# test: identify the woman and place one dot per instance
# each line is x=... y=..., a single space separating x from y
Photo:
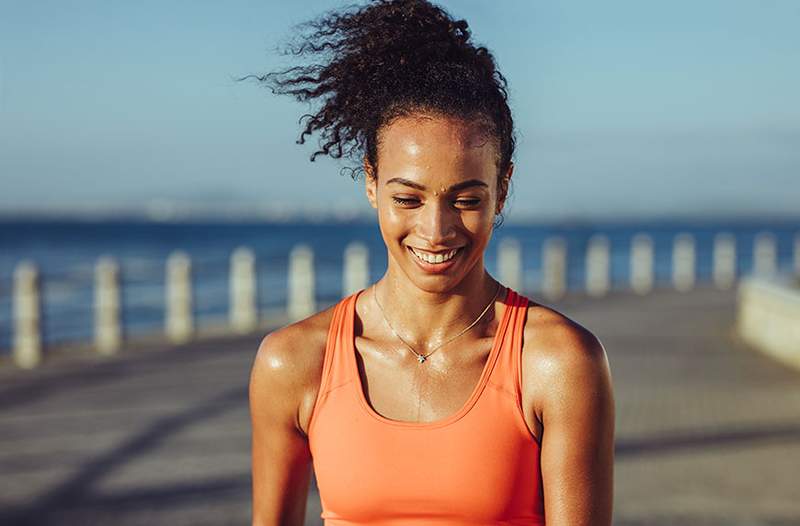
x=436 y=395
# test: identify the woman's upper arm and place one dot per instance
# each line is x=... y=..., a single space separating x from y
x=577 y=413
x=280 y=454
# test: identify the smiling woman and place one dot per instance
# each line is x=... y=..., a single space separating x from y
x=436 y=395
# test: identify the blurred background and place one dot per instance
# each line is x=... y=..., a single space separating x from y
x=156 y=219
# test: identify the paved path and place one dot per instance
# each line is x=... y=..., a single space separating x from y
x=708 y=431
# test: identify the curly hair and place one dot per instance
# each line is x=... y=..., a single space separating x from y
x=388 y=59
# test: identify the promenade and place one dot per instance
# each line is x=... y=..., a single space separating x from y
x=708 y=431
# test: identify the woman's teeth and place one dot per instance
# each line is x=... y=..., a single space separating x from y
x=435 y=258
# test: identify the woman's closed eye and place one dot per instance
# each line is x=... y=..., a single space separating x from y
x=461 y=203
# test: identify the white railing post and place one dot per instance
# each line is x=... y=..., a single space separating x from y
x=764 y=254
x=179 y=322
x=598 y=266
x=683 y=262
x=641 y=264
x=509 y=264
x=797 y=254
x=554 y=268
x=724 y=260
x=27 y=307
x=242 y=286
x=302 y=301
x=107 y=307
x=356 y=268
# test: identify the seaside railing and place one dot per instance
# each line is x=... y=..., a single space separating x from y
x=180 y=324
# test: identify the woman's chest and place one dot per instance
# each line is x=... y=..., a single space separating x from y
x=409 y=391
x=481 y=464
x=435 y=389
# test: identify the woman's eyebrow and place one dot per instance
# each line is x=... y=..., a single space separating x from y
x=458 y=186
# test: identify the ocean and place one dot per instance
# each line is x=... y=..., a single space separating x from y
x=66 y=252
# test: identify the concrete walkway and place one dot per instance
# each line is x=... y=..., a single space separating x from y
x=708 y=431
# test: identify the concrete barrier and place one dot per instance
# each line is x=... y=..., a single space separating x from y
x=27 y=314
x=509 y=263
x=554 y=268
x=180 y=323
x=302 y=298
x=765 y=254
x=356 y=268
x=683 y=262
x=797 y=255
x=179 y=316
x=768 y=317
x=598 y=266
x=107 y=307
x=243 y=291
x=641 y=264
x=724 y=260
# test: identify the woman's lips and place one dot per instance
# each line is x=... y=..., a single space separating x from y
x=436 y=268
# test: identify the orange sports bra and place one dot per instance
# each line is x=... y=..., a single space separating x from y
x=480 y=465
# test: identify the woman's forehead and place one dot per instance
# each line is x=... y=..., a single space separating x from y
x=438 y=144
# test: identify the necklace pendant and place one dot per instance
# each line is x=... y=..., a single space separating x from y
x=420 y=358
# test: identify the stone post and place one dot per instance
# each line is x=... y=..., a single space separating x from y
x=683 y=265
x=764 y=254
x=641 y=264
x=797 y=255
x=554 y=268
x=724 y=260
x=179 y=322
x=107 y=307
x=509 y=264
x=302 y=301
x=356 y=268
x=598 y=266
x=27 y=313
x=242 y=286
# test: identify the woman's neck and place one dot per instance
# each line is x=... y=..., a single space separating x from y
x=426 y=318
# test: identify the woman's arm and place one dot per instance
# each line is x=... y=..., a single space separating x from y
x=576 y=408
x=281 y=458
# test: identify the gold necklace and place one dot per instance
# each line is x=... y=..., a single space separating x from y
x=422 y=357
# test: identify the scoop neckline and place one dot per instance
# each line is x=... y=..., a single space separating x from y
x=471 y=400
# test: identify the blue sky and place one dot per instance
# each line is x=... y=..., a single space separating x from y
x=623 y=109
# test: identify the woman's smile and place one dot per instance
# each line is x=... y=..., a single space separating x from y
x=438 y=262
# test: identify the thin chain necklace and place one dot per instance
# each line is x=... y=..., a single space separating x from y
x=422 y=357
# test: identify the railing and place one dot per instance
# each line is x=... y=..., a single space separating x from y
x=301 y=301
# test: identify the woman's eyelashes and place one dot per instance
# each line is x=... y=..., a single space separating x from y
x=458 y=203
x=403 y=201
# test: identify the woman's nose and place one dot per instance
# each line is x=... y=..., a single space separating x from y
x=437 y=223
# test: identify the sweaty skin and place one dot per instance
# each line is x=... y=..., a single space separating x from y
x=567 y=392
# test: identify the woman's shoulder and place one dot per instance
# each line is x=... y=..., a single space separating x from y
x=555 y=336
x=288 y=364
x=294 y=347
x=560 y=356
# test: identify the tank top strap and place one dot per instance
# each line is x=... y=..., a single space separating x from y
x=507 y=372
x=336 y=367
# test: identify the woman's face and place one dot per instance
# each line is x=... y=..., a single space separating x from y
x=436 y=192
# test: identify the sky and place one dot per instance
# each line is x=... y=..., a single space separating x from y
x=623 y=109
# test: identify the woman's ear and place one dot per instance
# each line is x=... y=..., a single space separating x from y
x=371 y=183
x=502 y=188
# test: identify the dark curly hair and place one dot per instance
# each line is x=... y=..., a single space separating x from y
x=388 y=59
